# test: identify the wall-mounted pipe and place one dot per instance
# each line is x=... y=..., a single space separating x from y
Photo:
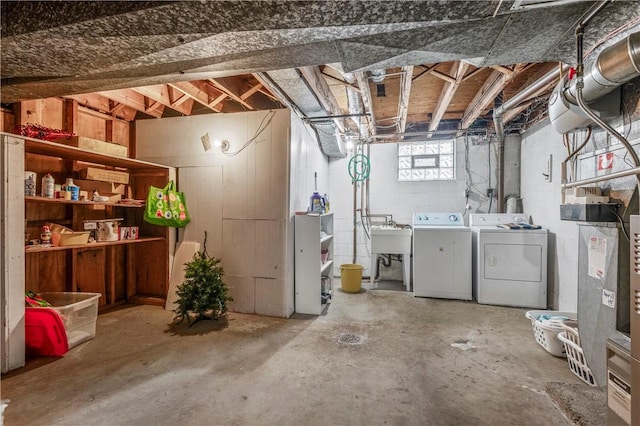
x=517 y=100
x=628 y=69
x=614 y=66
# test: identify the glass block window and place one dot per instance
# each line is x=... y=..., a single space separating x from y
x=433 y=160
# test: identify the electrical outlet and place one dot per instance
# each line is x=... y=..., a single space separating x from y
x=489 y=192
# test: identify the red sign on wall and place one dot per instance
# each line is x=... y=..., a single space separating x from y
x=605 y=161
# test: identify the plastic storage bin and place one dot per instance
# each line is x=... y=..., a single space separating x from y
x=78 y=311
x=575 y=356
x=546 y=334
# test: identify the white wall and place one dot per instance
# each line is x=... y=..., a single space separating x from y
x=252 y=196
x=542 y=199
x=252 y=190
x=476 y=160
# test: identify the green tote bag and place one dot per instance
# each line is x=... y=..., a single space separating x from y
x=166 y=207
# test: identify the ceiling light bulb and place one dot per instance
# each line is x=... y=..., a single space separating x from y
x=349 y=145
x=217 y=143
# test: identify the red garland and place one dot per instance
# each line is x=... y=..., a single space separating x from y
x=40 y=132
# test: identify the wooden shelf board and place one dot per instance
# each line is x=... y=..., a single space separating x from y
x=37 y=249
x=84 y=203
x=53 y=149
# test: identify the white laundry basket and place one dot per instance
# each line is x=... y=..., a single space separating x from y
x=575 y=356
x=546 y=333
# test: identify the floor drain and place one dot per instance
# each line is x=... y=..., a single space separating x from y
x=350 y=339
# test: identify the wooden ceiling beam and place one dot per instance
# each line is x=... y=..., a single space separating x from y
x=132 y=99
x=266 y=91
x=160 y=94
x=426 y=71
x=444 y=76
x=458 y=69
x=251 y=91
x=471 y=74
x=198 y=94
x=230 y=93
x=365 y=92
x=406 y=78
x=494 y=84
x=504 y=70
x=217 y=100
x=514 y=112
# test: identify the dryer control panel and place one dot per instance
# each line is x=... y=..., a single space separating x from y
x=437 y=219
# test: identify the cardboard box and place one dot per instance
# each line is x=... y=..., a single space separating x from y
x=100 y=186
x=94 y=173
x=95 y=145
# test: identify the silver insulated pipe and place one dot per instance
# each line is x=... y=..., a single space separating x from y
x=613 y=67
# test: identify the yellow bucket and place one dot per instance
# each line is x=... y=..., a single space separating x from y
x=351 y=277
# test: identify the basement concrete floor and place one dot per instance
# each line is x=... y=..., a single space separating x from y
x=376 y=357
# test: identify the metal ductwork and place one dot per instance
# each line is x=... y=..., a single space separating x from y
x=377 y=76
x=614 y=66
x=297 y=94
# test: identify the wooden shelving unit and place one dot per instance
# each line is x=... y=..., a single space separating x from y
x=126 y=271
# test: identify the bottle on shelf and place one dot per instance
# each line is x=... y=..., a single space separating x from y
x=48 y=186
x=72 y=192
x=29 y=183
x=326 y=203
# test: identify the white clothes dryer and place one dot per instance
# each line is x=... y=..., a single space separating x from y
x=509 y=260
x=441 y=256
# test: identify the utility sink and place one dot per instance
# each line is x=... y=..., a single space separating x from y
x=390 y=240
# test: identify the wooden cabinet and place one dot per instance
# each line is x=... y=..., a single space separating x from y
x=135 y=271
x=313 y=262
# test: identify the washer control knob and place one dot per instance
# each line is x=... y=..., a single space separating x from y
x=517 y=219
x=453 y=218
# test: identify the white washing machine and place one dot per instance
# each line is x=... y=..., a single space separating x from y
x=441 y=256
x=509 y=260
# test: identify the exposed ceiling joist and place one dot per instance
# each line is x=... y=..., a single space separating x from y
x=483 y=97
x=471 y=74
x=514 y=112
x=405 y=93
x=444 y=76
x=90 y=111
x=101 y=104
x=251 y=92
x=230 y=93
x=503 y=70
x=426 y=71
x=160 y=94
x=132 y=99
x=196 y=93
x=495 y=84
x=458 y=69
x=365 y=92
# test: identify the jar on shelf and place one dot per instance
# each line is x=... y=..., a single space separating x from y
x=72 y=191
x=48 y=186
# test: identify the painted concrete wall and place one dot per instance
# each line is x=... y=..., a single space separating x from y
x=252 y=232
x=476 y=159
x=541 y=199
